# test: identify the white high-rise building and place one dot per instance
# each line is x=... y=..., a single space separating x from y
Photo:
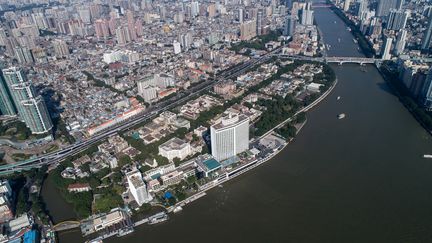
x=346 y=5
x=137 y=187
x=307 y=14
x=177 y=47
x=400 y=42
x=229 y=137
x=387 y=48
x=148 y=93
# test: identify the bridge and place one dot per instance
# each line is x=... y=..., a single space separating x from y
x=66 y=225
x=339 y=60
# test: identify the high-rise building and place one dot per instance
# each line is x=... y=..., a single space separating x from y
x=148 y=93
x=346 y=5
x=85 y=15
x=31 y=107
x=259 y=20
x=400 y=42
x=194 y=9
x=387 y=48
x=248 y=30
x=384 y=7
x=61 y=49
x=177 y=47
x=427 y=36
x=307 y=14
x=137 y=187
x=7 y=106
x=289 y=26
x=123 y=35
x=229 y=137
x=102 y=28
x=362 y=8
x=427 y=91
x=399 y=4
x=24 y=55
x=131 y=24
x=397 y=19
x=186 y=40
x=240 y=15
x=288 y=3
x=211 y=10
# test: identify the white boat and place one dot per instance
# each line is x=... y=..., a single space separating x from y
x=339 y=40
x=341 y=116
x=355 y=41
x=338 y=98
x=177 y=209
x=158 y=218
x=427 y=156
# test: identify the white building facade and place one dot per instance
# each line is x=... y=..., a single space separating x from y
x=138 y=188
x=229 y=137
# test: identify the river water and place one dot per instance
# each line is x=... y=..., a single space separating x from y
x=360 y=179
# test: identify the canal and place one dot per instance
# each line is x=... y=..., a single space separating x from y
x=359 y=179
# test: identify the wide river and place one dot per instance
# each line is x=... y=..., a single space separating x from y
x=359 y=179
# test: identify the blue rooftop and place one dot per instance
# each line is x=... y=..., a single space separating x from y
x=30 y=236
x=167 y=195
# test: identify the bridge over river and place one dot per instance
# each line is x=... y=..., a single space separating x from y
x=66 y=225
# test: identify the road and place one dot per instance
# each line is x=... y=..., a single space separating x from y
x=150 y=113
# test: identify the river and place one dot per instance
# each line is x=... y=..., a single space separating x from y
x=360 y=179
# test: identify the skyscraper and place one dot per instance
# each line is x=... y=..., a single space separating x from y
x=61 y=49
x=387 y=48
x=384 y=7
x=307 y=14
x=400 y=42
x=137 y=187
x=259 y=20
x=229 y=137
x=362 y=7
x=346 y=5
x=427 y=35
x=7 y=106
x=397 y=19
x=24 y=55
x=248 y=30
x=289 y=26
x=427 y=91
x=31 y=107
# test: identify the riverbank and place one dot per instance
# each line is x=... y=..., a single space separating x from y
x=363 y=43
x=418 y=112
x=229 y=175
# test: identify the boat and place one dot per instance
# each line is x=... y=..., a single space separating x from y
x=125 y=231
x=338 y=98
x=97 y=240
x=348 y=28
x=158 y=218
x=341 y=116
x=335 y=21
x=177 y=209
x=339 y=40
x=355 y=41
x=427 y=156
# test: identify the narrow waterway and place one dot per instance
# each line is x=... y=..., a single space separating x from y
x=359 y=179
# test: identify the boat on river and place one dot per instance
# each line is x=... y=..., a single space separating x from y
x=177 y=209
x=158 y=218
x=427 y=156
x=338 y=98
x=341 y=116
